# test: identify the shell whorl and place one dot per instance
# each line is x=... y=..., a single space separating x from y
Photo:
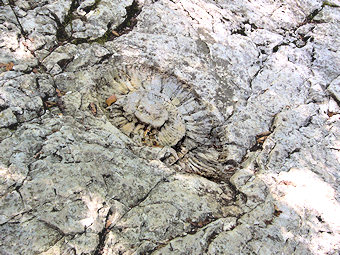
x=167 y=120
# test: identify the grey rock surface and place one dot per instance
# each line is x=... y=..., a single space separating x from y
x=7 y=118
x=169 y=127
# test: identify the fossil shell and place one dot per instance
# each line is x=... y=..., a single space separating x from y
x=167 y=120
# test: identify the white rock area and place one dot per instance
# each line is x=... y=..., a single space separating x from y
x=232 y=148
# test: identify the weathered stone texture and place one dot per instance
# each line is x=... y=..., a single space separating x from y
x=222 y=137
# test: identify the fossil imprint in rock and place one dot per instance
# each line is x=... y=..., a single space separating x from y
x=167 y=120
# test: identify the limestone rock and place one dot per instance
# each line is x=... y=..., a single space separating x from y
x=223 y=137
x=334 y=88
x=98 y=16
x=7 y=118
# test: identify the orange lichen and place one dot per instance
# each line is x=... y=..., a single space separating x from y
x=112 y=99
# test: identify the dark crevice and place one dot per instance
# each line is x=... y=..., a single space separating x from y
x=25 y=35
x=303 y=39
x=3 y=107
x=17 y=188
x=308 y=121
x=125 y=27
x=237 y=195
x=130 y=21
x=62 y=35
x=335 y=98
x=255 y=75
x=306 y=38
x=276 y=48
x=54 y=227
x=188 y=13
x=14 y=126
x=231 y=162
x=102 y=235
x=292 y=152
x=313 y=55
x=320 y=219
x=64 y=63
x=50 y=51
x=105 y=57
x=252 y=25
x=54 y=102
x=210 y=239
x=260 y=139
x=242 y=29
x=12 y=4
x=255 y=147
x=87 y=9
x=196 y=226
x=310 y=17
x=147 y=195
x=218 y=178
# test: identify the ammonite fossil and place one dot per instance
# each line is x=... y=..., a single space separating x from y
x=167 y=120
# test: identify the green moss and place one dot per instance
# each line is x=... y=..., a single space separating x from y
x=61 y=32
x=80 y=40
x=103 y=39
x=326 y=3
x=130 y=21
